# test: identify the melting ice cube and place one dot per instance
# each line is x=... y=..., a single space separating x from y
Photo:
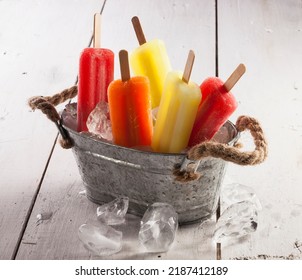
x=234 y=192
x=158 y=227
x=236 y=221
x=113 y=213
x=98 y=121
x=102 y=240
x=154 y=113
x=69 y=116
x=222 y=135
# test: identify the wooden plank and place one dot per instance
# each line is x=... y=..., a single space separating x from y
x=57 y=238
x=183 y=25
x=266 y=36
x=39 y=44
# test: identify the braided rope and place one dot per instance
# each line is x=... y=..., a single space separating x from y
x=233 y=154
x=228 y=153
x=47 y=106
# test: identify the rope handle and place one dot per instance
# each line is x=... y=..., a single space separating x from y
x=47 y=105
x=226 y=152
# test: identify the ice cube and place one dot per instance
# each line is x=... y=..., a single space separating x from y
x=113 y=213
x=154 y=113
x=234 y=192
x=102 y=240
x=158 y=227
x=69 y=116
x=98 y=121
x=238 y=220
x=222 y=135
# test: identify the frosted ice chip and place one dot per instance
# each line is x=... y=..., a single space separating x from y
x=102 y=240
x=98 y=121
x=69 y=116
x=114 y=212
x=158 y=227
x=154 y=113
x=236 y=221
x=222 y=135
x=234 y=192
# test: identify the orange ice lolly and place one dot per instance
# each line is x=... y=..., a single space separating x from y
x=130 y=108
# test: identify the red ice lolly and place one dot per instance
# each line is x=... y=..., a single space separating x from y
x=95 y=74
x=217 y=104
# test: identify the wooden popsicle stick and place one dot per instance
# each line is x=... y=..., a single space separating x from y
x=138 y=30
x=188 y=68
x=124 y=65
x=96 y=31
x=235 y=76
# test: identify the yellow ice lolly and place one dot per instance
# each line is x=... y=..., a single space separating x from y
x=177 y=111
x=150 y=59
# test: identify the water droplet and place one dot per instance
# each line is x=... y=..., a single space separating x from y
x=268 y=30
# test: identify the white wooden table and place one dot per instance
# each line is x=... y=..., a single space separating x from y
x=40 y=43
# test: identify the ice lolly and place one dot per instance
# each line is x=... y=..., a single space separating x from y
x=218 y=103
x=150 y=59
x=177 y=111
x=130 y=108
x=95 y=73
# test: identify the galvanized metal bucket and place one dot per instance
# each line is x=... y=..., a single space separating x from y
x=109 y=171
